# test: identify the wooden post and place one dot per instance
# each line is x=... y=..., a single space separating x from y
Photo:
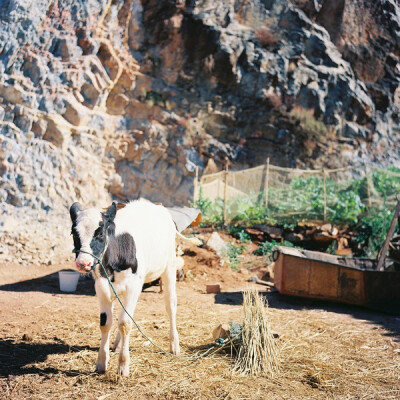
x=384 y=249
x=266 y=183
x=225 y=190
x=324 y=188
x=196 y=186
x=368 y=187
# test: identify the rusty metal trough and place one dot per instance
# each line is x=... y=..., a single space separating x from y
x=349 y=280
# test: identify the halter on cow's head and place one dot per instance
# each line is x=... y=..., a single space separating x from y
x=90 y=230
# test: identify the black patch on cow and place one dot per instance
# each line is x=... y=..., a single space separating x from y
x=77 y=240
x=98 y=241
x=103 y=318
x=109 y=215
x=73 y=212
x=121 y=253
x=105 y=230
x=110 y=272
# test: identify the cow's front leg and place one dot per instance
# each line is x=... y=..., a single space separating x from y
x=106 y=318
x=125 y=324
x=169 y=279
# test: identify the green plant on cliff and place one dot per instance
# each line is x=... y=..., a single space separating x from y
x=152 y=98
x=312 y=128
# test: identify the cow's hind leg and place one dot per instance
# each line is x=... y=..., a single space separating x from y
x=116 y=346
x=106 y=318
x=169 y=283
x=125 y=325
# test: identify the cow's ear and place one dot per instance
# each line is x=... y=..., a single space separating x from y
x=109 y=215
x=74 y=210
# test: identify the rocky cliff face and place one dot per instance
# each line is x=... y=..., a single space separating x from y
x=114 y=98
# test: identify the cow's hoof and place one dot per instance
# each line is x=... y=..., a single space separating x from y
x=123 y=370
x=102 y=363
x=175 y=349
x=100 y=369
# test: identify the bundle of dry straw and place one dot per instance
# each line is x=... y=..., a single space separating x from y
x=258 y=353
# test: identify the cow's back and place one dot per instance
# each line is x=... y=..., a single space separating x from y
x=153 y=231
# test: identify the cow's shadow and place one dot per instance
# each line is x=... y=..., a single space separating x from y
x=20 y=358
x=276 y=300
x=50 y=284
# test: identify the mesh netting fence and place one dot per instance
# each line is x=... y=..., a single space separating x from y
x=338 y=195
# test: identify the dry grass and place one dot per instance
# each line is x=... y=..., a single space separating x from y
x=266 y=36
x=324 y=353
x=258 y=352
x=312 y=128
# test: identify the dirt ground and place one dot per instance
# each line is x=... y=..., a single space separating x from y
x=49 y=342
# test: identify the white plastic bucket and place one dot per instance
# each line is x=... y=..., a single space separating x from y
x=68 y=280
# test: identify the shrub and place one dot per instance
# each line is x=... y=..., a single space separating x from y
x=269 y=247
x=373 y=228
x=240 y=233
x=385 y=183
x=233 y=255
x=266 y=36
x=202 y=203
x=312 y=128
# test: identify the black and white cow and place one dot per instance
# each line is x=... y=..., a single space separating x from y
x=137 y=245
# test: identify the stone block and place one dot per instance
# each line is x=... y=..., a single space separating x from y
x=54 y=134
x=23 y=122
x=90 y=94
x=65 y=48
x=39 y=127
x=117 y=102
x=74 y=112
x=216 y=243
x=213 y=288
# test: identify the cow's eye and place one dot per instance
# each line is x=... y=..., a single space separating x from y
x=98 y=233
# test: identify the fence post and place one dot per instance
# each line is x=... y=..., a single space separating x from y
x=225 y=190
x=196 y=186
x=324 y=188
x=266 y=184
x=368 y=187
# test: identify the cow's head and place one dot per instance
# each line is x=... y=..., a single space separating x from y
x=90 y=229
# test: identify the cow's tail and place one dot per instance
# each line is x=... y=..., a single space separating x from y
x=193 y=240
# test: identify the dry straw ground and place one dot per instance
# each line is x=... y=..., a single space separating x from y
x=49 y=342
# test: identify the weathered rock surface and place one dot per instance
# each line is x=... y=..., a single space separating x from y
x=103 y=99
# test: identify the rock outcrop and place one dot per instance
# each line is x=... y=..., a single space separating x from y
x=116 y=99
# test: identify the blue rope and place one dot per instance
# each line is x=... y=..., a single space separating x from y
x=219 y=342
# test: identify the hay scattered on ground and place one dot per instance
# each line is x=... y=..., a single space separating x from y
x=258 y=354
x=49 y=344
